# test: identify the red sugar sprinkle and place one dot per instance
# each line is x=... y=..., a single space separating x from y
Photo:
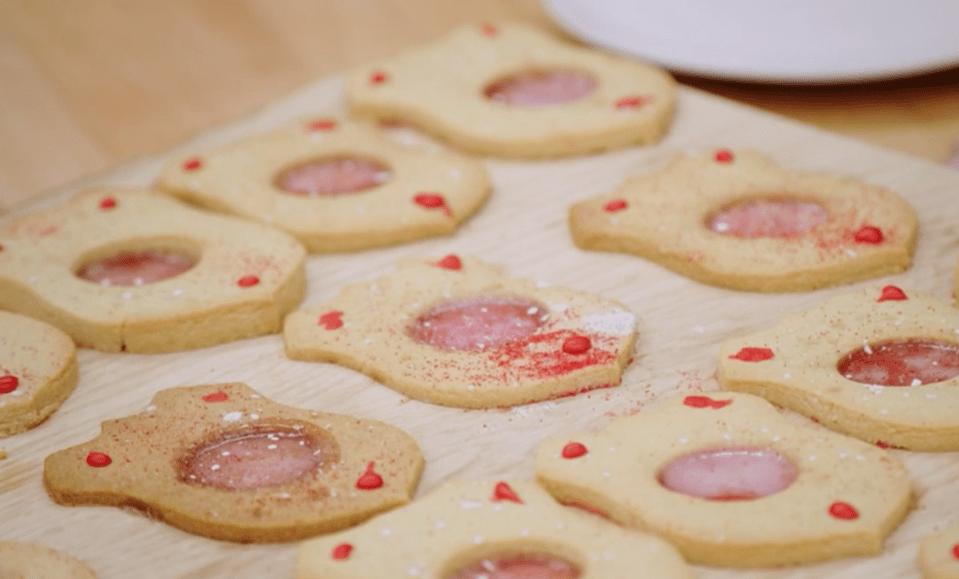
x=108 y=203
x=724 y=156
x=98 y=459
x=892 y=293
x=432 y=201
x=955 y=551
x=503 y=492
x=489 y=29
x=705 y=402
x=574 y=450
x=577 y=345
x=321 y=125
x=868 y=234
x=248 y=281
x=752 y=355
x=631 y=102
x=341 y=551
x=8 y=384
x=192 y=164
x=369 y=480
x=377 y=77
x=615 y=205
x=218 y=396
x=331 y=320
x=844 y=511
x=451 y=261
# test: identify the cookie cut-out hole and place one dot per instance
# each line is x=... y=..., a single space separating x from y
x=541 y=87
x=518 y=566
x=911 y=362
x=332 y=176
x=138 y=266
x=729 y=474
x=767 y=217
x=478 y=323
x=261 y=456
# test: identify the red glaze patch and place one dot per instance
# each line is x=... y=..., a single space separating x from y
x=574 y=450
x=869 y=234
x=98 y=459
x=729 y=474
x=369 y=480
x=503 y=492
x=377 y=77
x=749 y=354
x=218 y=396
x=341 y=551
x=724 y=156
x=844 y=511
x=705 y=402
x=518 y=566
x=321 y=125
x=901 y=363
x=332 y=320
x=477 y=323
x=489 y=29
x=615 y=205
x=331 y=177
x=8 y=383
x=541 y=87
x=108 y=203
x=631 y=102
x=248 y=281
x=771 y=217
x=192 y=164
x=577 y=345
x=128 y=268
x=955 y=551
x=451 y=261
x=892 y=293
x=432 y=201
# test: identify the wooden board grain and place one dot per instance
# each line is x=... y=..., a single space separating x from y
x=523 y=227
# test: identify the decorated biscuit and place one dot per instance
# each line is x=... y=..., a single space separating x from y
x=130 y=270
x=20 y=560
x=224 y=462
x=731 y=481
x=514 y=91
x=459 y=332
x=333 y=184
x=878 y=364
x=38 y=371
x=735 y=219
x=939 y=554
x=493 y=530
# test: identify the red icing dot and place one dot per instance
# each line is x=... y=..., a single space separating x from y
x=615 y=205
x=369 y=480
x=432 y=201
x=892 y=293
x=724 y=156
x=503 y=492
x=192 y=164
x=8 y=384
x=218 y=396
x=752 y=355
x=108 y=203
x=574 y=450
x=489 y=29
x=869 y=234
x=98 y=459
x=451 y=261
x=248 y=281
x=377 y=77
x=321 y=125
x=577 y=345
x=705 y=402
x=341 y=551
x=332 y=320
x=955 y=551
x=844 y=511
x=631 y=102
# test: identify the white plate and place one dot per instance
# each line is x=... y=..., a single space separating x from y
x=795 y=41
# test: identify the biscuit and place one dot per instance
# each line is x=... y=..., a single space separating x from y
x=514 y=91
x=732 y=482
x=335 y=185
x=38 y=371
x=939 y=554
x=222 y=461
x=507 y=529
x=880 y=364
x=131 y=270
x=460 y=332
x=735 y=219
x=19 y=560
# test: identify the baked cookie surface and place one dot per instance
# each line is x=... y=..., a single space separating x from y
x=460 y=332
x=735 y=219
x=514 y=91
x=20 y=560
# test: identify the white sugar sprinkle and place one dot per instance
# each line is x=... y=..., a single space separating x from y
x=386 y=532
x=232 y=416
x=471 y=505
x=126 y=295
x=478 y=539
x=916 y=382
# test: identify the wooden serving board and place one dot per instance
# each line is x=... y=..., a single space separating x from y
x=523 y=227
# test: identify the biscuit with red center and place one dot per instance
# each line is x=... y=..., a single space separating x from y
x=493 y=530
x=131 y=270
x=735 y=219
x=880 y=364
x=460 y=332
x=939 y=554
x=225 y=462
x=335 y=185
x=514 y=91
x=731 y=481
x=20 y=560
x=38 y=371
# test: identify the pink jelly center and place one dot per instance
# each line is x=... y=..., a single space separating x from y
x=136 y=267
x=767 y=218
x=902 y=363
x=729 y=474
x=253 y=460
x=541 y=88
x=478 y=323
x=526 y=566
x=336 y=176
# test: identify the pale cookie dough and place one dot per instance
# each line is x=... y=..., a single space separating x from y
x=735 y=219
x=225 y=462
x=900 y=347
x=132 y=270
x=595 y=101
x=19 y=560
x=334 y=184
x=467 y=527
x=460 y=332
x=781 y=494
x=939 y=554
x=38 y=371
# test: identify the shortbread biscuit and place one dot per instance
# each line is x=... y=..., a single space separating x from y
x=507 y=529
x=880 y=364
x=225 y=462
x=334 y=184
x=939 y=554
x=460 y=332
x=514 y=91
x=19 y=560
x=735 y=219
x=38 y=371
x=731 y=481
x=132 y=270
